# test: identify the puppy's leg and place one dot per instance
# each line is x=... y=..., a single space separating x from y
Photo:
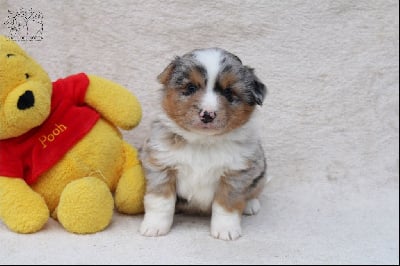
x=236 y=194
x=253 y=191
x=159 y=203
x=252 y=207
x=159 y=215
x=229 y=204
x=227 y=210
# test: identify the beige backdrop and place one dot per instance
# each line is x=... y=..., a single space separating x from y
x=329 y=124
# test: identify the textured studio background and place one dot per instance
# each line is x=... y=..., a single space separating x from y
x=329 y=124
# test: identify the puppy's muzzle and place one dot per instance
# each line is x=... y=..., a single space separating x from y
x=207 y=117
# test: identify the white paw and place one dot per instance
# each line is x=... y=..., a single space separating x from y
x=252 y=207
x=225 y=225
x=226 y=233
x=158 y=216
x=152 y=227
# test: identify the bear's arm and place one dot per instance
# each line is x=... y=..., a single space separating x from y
x=113 y=102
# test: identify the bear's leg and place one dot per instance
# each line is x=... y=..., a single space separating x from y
x=131 y=186
x=21 y=209
x=86 y=206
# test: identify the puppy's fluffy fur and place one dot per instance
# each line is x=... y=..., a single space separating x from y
x=202 y=155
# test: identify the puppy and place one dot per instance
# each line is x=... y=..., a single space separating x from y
x=202 y=154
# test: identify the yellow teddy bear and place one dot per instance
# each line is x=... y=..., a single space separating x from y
x=61 y=153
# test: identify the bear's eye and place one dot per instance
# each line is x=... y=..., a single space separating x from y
x=27 y=75
x=9 y=55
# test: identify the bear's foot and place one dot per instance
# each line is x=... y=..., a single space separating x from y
x=21 y=209
x=86 y=206
x=132 y=184
x=130 y=191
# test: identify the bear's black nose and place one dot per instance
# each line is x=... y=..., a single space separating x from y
x=26 y=100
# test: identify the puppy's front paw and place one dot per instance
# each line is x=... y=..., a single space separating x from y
x=225 y=225
x=252 y=207
x=155 y=225
x=226 y=233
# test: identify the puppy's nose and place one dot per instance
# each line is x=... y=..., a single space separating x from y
x=26 y=100
x=206 y=116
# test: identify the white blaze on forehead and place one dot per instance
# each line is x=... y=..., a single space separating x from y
x=210 y=59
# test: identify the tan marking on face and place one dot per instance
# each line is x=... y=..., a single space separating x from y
x=183 y=109
x=175 y=107
x=197 y=78
x=236 y=115
x=227 y=80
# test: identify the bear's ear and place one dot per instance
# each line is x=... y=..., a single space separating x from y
x=10 y=48
x=166 y=75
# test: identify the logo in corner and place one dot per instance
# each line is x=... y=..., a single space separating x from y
x=25 y=24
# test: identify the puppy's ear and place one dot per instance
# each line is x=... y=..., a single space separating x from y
x=166 y=75
x=258 y=89
x=259 y=92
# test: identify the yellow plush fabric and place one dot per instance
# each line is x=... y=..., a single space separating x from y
x=13 y=84
x=21 y=209
x=88 y=212
x=129 y=192
x=81 y=188
x=105 y=101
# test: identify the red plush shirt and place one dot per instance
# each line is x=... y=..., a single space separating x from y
x=30 y=155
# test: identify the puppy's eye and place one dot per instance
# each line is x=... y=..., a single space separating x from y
x=229 y=94
x=190 y=89
x=27 y=76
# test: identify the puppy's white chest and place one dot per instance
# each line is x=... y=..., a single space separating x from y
x=199 y=169
x=197 y=188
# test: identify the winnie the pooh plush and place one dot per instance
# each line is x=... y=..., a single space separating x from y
x=61 y=153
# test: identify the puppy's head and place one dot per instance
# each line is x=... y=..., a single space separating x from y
x=210 y=91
